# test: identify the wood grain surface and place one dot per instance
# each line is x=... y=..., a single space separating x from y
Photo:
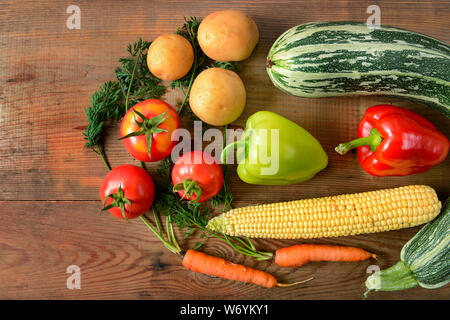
x=49 y=183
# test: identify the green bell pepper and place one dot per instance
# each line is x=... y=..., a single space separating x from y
x=276 y=151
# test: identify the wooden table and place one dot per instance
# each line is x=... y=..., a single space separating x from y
x=49 y=182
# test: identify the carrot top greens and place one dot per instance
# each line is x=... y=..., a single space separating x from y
x=134 y=84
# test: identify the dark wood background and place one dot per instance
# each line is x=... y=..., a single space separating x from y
x=49 y=183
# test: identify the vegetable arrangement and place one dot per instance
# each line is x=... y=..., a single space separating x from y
x=313 y=60
x=200 y=262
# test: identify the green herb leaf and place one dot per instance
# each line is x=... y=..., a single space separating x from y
x=197 y=245
x=225 y=196
x=105 y=104
x=134 y=84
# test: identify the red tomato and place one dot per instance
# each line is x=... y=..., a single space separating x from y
x=136 y=187
x=197 y=173
x=161 y=144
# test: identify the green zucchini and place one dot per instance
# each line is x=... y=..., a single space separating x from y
x=424 y=260
x=324 y=59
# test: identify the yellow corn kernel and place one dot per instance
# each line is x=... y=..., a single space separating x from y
x=367 y=212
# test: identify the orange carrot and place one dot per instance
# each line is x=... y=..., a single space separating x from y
x=298 y=255
x=203 y=263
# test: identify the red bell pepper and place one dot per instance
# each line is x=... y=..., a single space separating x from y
x=396 y=142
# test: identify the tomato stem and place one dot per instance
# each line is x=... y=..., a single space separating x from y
x=119 y=200
x=147 y=127
x=190 y=188
x=241 y=146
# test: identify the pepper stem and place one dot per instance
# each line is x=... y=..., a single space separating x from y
x=243 y=143
x=373 y=140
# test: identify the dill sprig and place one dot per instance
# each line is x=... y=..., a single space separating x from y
x=105 y=104
x=135 y=83
x=189 y=216
x=192 y=216
x=135 y=79
x=225 y=196
x=189 y=31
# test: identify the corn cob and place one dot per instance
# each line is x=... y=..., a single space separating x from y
x=335 y=216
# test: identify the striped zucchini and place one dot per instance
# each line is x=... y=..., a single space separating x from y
x=424 y=260
x=325 y=59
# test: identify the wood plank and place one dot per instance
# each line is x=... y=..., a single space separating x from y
x=120 y=260
x=50 y=72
